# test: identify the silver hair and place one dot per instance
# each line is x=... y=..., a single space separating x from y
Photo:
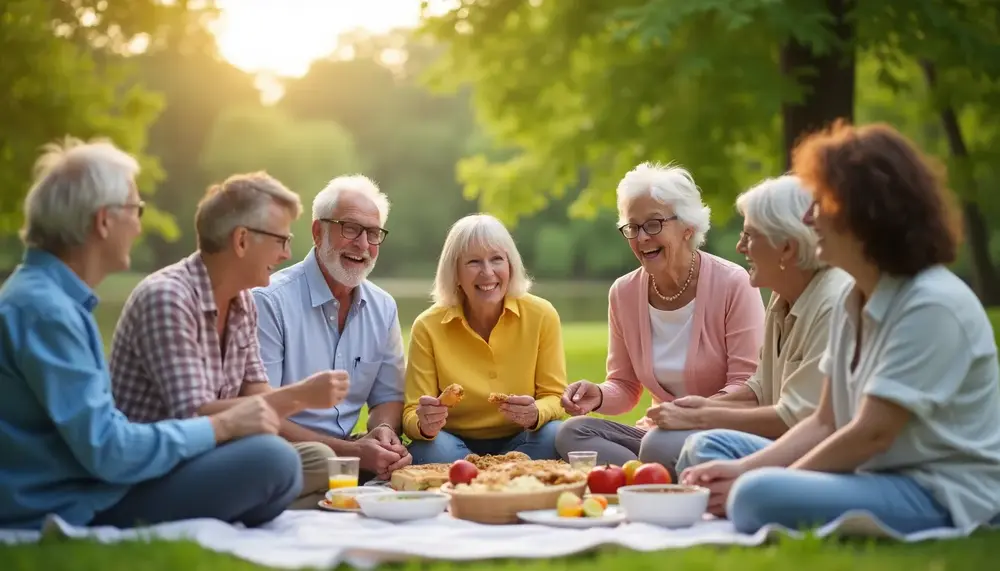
x=240 y=200
x=775 y=207
x=672 y=186
x=326 y=201
x=73 y=180
x=476 y=231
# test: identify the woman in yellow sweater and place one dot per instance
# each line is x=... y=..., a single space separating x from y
x=500 y=346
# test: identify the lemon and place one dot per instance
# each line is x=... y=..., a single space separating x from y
x=592 y=507
x=568 y=505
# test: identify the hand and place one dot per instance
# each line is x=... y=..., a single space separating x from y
x=431 y=416
x=581 y=397
x=373 y=457
x=718 y=476
x=668 y=416
x=249 y=417
x=521 y=410
x=325 y=389
x=390 y=441
x=691 y=401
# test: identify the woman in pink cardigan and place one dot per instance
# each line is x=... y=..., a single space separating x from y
x=685 y=323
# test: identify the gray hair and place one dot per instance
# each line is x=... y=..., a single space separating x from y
x=240 y=200
x=73 y=180
x=775 y=208
x=476 y=231
x=326 y=201
x=672 y=186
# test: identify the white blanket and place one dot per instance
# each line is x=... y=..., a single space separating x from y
x=301 y=539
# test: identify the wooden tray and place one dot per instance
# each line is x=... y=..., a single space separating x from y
x=502 y=507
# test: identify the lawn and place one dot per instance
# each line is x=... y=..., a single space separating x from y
x=586 y=345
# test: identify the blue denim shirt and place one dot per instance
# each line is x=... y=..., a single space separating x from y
x=64 y=447
x=299 y=335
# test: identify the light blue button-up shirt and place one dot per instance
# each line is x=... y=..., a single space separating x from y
x=299 y=335
x=64 y=447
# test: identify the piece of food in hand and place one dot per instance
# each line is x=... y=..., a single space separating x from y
x=606 y=479
x=569 y=505
x=630 y=467
x=592 y=507
x=462 y=472
x=451 y=395
x=652 y=473
x=498 y=398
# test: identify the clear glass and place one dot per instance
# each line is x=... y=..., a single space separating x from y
x=583 y=460
x=343 y=472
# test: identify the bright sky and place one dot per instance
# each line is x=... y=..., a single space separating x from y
x=282 y=37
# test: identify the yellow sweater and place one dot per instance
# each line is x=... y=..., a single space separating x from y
x=523 y=357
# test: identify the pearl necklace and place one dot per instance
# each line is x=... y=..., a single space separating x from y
x=683 y=287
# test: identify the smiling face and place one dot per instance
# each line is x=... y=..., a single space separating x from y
x=764 y=259
x=657 y=251
x=119 y=226
x=267 y=246
x=834 y=246
x=483 y=276
x=348 y=261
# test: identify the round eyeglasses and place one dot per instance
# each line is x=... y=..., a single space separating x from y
x=651 y=227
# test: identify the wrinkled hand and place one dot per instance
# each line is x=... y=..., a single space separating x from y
x=718 y=476
x=521 y=410
x=691 y=401
x=390 y=441
x=581 y=398
x=431 y=416
x=247 y=418
x=373 y=457
x=325 y=389
x=668 y=416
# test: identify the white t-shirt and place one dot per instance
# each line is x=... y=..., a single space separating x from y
x=671 y=335
x=927 y=345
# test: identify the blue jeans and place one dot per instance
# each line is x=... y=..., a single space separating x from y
x=801 y=498
x=248 y=481
x=445 y=448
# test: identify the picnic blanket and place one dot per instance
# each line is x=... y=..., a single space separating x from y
x=316 y=539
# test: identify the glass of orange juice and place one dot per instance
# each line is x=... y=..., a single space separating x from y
x=343 y=471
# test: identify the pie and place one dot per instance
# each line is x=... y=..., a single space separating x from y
x=513 y=471
x=451 y=395
x=498 y=398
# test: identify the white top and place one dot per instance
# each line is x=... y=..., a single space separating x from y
x=671 y=335
x=926 y=345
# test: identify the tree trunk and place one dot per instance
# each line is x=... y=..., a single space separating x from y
x=827 y=80
x=977 y=231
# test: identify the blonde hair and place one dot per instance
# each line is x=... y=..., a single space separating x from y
x=476 y=231
x=241 y=200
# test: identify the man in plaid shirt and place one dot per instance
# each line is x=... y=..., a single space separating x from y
x=186 y=343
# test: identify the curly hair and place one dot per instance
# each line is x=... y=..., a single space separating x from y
x=876 y=185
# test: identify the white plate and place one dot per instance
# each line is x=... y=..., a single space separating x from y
x=612 y=516
x=326 y=504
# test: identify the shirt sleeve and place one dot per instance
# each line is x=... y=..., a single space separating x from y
x=421 y=377
x=926 y=358
x=744 y=334
x=166 y=337
x=388 y=385
x=621 y=389
x=550 y=371
x=75 y=391
x=254 y=372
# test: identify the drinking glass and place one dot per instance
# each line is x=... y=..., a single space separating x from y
x=583 y=461
x=343 y=471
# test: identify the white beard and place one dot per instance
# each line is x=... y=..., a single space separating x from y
x=332 y=263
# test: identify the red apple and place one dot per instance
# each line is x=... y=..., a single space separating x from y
x=605 y=479
x=462 y=472
x=651 y=474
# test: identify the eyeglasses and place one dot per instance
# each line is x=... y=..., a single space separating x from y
x=352 y=230
x=140 y=207
x=284 y=240
x=651 y=227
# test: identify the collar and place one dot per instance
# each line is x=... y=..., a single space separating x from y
x=877 y=306
x=458 y=311
x=65 y=278
x=319 y=289
x=802 y=303
x=195 y=264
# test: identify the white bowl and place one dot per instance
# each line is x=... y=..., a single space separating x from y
x=667 y=505
x=346 y=493
x=404 y=506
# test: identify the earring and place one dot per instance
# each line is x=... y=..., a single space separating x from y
x=781 y=265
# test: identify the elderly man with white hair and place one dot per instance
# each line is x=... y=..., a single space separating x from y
x=323 y=312
x=67 y=450
x=186 y=342
x=685 y=323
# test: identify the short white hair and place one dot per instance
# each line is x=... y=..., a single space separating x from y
x=672 y=186
x=474 y=232
x=775 y=208
x=73 y=180
x=240 y=200
x=326 y=201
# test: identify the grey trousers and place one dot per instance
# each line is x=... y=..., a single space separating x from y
x=617 y=443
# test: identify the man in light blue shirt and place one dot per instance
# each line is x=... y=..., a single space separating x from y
x=65 y=449
x=322 y=313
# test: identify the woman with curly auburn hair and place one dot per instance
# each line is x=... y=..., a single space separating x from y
x=907 y=427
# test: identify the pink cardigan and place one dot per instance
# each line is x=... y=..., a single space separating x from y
x=726 y=336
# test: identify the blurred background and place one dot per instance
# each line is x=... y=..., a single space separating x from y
x=529 y=109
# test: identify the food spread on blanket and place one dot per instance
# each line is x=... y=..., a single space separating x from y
x=608 y=478
x=513 y=472
x=571 y=505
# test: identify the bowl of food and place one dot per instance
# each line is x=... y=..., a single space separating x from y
x=496 y=497
x=346 y=499
x=403 y=506
x=667 y=505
